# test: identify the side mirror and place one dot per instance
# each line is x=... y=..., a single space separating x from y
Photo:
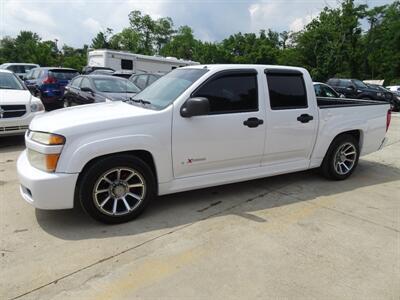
x=86 y=89
x=342 y=96
x=350 y=88
x=195 y=107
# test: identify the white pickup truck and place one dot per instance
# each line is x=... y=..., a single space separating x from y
x=196 y=127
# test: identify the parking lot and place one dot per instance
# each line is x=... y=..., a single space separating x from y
x=290 y=236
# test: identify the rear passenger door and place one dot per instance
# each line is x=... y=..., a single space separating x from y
x=72 y=91
x=231 y=136
x=292 y=118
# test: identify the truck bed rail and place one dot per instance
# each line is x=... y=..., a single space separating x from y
x=324 y=102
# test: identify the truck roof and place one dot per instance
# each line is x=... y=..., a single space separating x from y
x=221 y=67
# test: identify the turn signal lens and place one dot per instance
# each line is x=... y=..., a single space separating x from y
x=44 y=162
x=47 y=138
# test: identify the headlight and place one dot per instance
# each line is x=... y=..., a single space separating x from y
x=47 y=138
x=36 y=106
x=41 y=161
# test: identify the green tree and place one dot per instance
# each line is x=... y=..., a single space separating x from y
x=101 y=40
x=127 y=40
x=182 y=45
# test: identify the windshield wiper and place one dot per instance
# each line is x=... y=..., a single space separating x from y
x=141 y=101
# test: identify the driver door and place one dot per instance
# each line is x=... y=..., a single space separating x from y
x=221 y=140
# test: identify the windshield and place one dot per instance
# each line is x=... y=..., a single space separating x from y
x=115 y=85
x=169 y=87
x=360 y=84
x=9 y=81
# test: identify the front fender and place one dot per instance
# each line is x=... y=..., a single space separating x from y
x=75 y=157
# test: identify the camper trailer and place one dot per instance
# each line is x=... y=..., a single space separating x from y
x=135 y=63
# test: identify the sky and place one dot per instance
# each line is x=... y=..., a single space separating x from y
x=76 y=22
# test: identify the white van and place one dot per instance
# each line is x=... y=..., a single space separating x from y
x=21 y=69
x=135 y=63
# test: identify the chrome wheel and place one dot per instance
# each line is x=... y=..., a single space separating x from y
x=119 y=191
x=345 y=158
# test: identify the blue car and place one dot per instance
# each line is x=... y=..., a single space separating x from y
x=49 y=84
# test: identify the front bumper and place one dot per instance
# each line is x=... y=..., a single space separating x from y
x=16 y=126
x=45 y=190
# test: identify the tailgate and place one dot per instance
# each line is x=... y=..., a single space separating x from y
x=63 y=77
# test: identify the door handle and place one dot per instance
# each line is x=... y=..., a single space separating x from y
x=253 y=122
x=305 y=118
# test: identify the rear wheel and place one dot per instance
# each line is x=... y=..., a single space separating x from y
x=116 y=189
x=341 y=158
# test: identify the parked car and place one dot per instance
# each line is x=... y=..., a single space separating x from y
x=391 y=97
x=89 y=69
x=324 y=90
x=49 y=84
x=88 y=89
x=195 y=127
x=123 y=74
x=17 y=105
x=145 y=79
x=355 y=89
x=102 y=72
x=394 y=88
x=21 y=69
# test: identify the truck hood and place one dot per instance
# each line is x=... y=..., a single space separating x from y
x=14 y=97
x=90 y=117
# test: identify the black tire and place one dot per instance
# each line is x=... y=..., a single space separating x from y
x=329 y=167
x=93 y=178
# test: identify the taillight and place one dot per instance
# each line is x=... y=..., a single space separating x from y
x=49 y=80
x=388 y=118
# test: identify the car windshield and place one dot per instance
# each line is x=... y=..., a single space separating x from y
x=360 y=84
x=115 y=85
x=9 y=81
x=169 y=87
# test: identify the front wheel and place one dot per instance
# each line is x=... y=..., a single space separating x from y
x=341 y=158
x=116 y=189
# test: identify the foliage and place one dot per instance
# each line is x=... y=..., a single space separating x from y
x=332 y=44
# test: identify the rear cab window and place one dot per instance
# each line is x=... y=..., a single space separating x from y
x=231 y=92
x=286 y=89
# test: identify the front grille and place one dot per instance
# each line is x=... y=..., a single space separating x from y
x=12 y=111
x=13 y=128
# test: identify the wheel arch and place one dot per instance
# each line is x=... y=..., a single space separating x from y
x=144 y=155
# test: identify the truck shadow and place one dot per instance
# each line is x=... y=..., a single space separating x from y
x=240 y=199
x=12 y=143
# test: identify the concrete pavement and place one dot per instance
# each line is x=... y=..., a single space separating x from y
x=292 y=236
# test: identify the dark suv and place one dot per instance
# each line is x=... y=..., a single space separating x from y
x=49 y=84
x=356 y=89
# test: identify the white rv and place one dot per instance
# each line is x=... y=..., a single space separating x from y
x=134 y=63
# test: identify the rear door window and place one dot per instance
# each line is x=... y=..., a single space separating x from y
x=76 y=82
x=152 y=78
x=286 y=90
x=141 y=81
x=231 y=93
x=86 y=83
x=328 y=92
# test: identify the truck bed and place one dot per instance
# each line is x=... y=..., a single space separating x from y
x=341 y=102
